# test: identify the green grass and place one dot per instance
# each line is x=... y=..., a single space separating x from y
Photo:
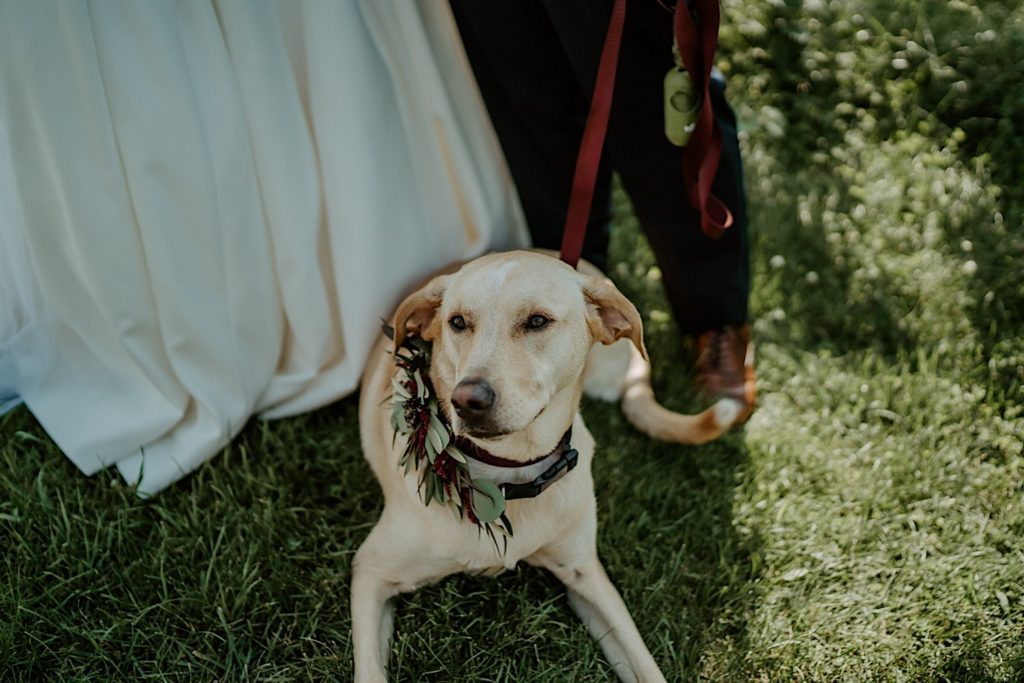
x=867 y=525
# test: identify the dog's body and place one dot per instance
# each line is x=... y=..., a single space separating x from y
x=511 y=334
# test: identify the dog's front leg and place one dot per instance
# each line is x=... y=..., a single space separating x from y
x=601 y=608
x=372 y=610
x=396 y=557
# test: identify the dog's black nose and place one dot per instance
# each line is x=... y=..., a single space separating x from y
x=472 y=397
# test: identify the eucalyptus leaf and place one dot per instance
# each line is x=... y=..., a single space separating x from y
x=398 y=384
x=456 y=453
x=503 y=525
x=428 y=489
x=435 y=442
x=488 y=500
x=436 y=426
x=423 y=347
x=398 y=422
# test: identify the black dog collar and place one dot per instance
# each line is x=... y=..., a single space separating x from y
x=568 y=457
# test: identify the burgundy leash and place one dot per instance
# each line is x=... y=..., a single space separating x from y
x=704 y=150
x=702 y=153
x=589 y=157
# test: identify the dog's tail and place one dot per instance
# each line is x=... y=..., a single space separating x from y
x=604 y=380
x=650 y=417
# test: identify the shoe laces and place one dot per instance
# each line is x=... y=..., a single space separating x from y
x=719 y=348
x=719 y=345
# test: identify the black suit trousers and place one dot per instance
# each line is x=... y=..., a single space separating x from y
x=536 y=63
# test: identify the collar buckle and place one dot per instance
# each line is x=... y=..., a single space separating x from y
x=531 y=489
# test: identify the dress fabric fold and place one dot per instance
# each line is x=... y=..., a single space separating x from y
x=207 y=207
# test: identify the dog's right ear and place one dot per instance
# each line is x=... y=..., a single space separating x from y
x=610 y=315
x=418 y=313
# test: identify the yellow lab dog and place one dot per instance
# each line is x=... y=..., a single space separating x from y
x=510 y=337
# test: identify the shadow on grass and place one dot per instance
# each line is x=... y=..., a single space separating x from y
x=668 y=520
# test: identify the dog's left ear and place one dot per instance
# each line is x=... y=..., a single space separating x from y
x=418 y=313
x=610 y=315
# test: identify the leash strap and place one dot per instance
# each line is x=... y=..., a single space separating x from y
x=589 y=157
x=701 y=154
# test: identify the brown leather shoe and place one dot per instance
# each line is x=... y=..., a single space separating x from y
x=725 y=366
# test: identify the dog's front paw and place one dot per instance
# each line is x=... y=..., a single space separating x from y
x=374 y=676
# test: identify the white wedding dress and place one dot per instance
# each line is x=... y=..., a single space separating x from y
x=207 y=206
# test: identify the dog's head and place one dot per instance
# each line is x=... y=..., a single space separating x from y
x=510 y=333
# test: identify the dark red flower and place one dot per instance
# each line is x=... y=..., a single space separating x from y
x=467 y=504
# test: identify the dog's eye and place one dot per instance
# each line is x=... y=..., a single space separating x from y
x=537 y=321
x=457 y=323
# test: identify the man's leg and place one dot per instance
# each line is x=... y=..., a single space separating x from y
x=706 y=280
x=524 y=53
x=538 y=108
